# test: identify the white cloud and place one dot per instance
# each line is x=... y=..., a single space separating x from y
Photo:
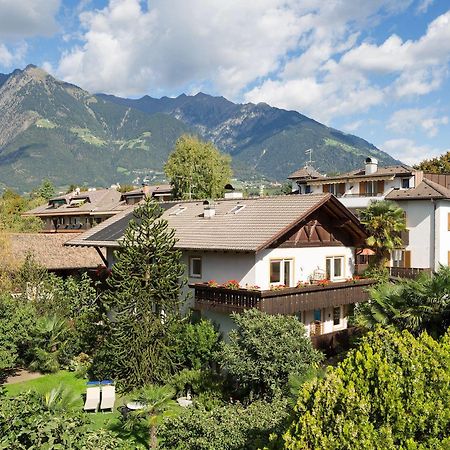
x=423 y=6
x=405 y=121
x=12 y=56
x=407 y=151
x=23 y=18
x=351 y=127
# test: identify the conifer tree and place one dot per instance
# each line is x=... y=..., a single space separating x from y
x=143 y=298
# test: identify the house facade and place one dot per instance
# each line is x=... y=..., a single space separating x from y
x=426 y=242
x=286 y=254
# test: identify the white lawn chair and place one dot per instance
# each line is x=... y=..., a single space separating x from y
x=92 y=398
x=108 y=397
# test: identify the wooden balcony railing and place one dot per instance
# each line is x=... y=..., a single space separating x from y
x=284 y=301
x=407 y=272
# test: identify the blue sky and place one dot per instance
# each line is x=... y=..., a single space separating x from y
x=375 y=68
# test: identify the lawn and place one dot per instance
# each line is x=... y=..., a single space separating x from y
x=46 y=383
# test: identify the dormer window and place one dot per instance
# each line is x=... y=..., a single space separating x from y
x=178 y=211
x=236 y=209
x=405 y=183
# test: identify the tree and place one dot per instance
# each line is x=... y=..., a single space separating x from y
x=46 y=190
x=440 y=164
x=196 y=169
x=157 y=402
x=391 y=392
x=415 y=305
x=12 y=205
x=143 y=298
x=264 y=350
x=384 y=222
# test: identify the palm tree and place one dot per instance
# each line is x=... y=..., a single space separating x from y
x=415 y=305
x=59 y=399
x=384 y=222
x=156 y=401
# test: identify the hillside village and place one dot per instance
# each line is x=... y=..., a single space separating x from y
x=197 y=249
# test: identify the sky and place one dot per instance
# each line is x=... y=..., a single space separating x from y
x=375 y=68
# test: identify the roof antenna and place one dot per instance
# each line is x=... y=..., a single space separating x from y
x=309 y=163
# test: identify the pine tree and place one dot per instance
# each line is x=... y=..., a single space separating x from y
x=143 y=298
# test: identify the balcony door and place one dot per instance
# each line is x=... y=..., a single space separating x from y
x=281 y=272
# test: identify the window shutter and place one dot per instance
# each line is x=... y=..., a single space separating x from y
x=326 y=188
x=380 y=187
x=362 y=187
x=448 y=220
x=407 y=259
x=341 y=188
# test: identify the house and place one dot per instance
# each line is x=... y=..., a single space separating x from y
x=78 y=210
x=427 y=213
x=287 y=254
x=356 y=189
x=424 y=201
x=48 y=250
x=160 y=192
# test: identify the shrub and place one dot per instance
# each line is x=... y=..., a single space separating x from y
x=391 y=392
x=263 y=350
x=230 y=427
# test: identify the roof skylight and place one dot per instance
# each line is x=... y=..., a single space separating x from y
x=178 y=211
x=236 y=209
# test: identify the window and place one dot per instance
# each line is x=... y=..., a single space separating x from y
x=178 y=211
x=335 y=267
x=281 y=271
x=336 y=189
x=336 y=315
x=195 y=267
x=405 y=183
x=317 y=315
x=236 y=209
x=307 y=189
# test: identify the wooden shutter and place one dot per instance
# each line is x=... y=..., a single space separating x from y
x=407 y=262
x=448 y=258
x=326 y=188
x=341 y=188
x=380 y=187
x=362 y=187
x=448 y=220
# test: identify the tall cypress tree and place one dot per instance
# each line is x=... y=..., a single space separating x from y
x=143 y=296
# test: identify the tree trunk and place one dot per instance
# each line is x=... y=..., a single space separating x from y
x=153 y=437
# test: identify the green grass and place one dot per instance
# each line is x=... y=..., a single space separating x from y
x=46 y=383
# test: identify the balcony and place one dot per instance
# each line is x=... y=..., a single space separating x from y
x=283 y=301
x=408 y=272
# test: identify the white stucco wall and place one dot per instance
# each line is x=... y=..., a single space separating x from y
x=306 y=260
x=442 y=232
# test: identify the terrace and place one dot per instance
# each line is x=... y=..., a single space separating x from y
x=281 y=301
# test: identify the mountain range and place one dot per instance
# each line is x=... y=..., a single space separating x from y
x=56 y=130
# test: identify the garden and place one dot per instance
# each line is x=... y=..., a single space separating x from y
x=265 y=386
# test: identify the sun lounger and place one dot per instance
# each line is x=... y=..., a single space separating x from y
x=92 y=398
x=108 y=397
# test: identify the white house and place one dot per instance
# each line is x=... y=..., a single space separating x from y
x=280 y=250
x=427 y=212
x=426 y=203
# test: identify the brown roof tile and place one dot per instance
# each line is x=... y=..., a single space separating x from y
x=425 y=190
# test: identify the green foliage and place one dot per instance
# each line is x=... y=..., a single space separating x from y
x=143 y=297
x=27 y=421
x=440 y=164
x=46 y=190
x=17 y=324
x=384 y=221
x=231 y=427
x=195 y=343
x=196 y=169
x=391 y=392
x=12 y=206
x=415 y=305
x=157 y=404
x=263 y=350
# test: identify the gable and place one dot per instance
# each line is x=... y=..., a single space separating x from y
x=320 y=229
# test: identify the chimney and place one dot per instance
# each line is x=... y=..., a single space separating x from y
x=371 y=165
x=230 y=192
x=209 y=210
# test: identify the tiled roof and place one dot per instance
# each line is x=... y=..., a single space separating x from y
x=100 y=200
x=425 y=190
x=152 y=190
x=49 y=251
x=254 y=226
x=360 y=173
x=306 y=172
